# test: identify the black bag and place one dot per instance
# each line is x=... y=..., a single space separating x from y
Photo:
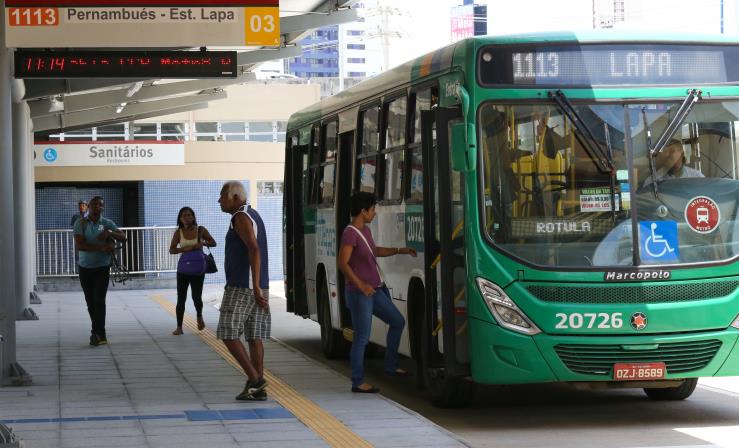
x=210 y=263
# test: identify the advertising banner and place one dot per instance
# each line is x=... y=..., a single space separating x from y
x=123 y=153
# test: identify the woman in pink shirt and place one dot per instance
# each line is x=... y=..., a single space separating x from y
x=366 y=293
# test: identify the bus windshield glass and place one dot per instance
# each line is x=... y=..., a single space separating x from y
x=548 y=202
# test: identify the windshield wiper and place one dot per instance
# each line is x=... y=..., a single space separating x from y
x=682 y=113
x=584 y=136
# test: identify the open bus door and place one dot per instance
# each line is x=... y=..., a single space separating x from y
x=296 y=165
x=444 y=351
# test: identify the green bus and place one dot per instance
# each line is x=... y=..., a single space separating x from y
x=572 y=197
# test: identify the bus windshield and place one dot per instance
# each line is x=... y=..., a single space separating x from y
x=548 y=201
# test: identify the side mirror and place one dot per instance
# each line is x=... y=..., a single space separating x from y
x=463 y=151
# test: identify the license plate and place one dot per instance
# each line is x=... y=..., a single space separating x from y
x=633 y=371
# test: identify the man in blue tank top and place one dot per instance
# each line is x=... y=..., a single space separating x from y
x=244 y=308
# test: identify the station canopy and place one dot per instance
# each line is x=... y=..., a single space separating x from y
x=66 y=104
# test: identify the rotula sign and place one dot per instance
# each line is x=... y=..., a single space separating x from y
x=128 y=23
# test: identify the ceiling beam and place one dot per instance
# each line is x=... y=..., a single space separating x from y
x=258 y=56
x=38 y=88
x=325 y=7
x=124 y=118
x=74 y=103
x=85 y=118
x=298 y=24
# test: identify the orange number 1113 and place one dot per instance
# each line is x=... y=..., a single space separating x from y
x=33 y=16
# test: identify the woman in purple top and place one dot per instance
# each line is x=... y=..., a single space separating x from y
x=365 y=291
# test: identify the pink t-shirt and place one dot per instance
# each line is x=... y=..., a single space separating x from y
x=362 y=260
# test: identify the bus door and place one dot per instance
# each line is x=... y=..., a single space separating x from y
x=296 y=166
x=344 y=182
x=445 y=269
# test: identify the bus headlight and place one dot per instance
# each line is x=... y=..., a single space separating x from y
x=504 y=309
x=735 y=324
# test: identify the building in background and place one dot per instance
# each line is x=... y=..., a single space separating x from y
x=192 y=155
x=468 y=20
x=340 y=56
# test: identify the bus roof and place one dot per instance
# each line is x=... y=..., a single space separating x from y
x=441 y=60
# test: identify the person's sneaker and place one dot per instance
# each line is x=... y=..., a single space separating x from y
x=103 y=340
x=252 y=389
x=94 y=340
x=260 y=396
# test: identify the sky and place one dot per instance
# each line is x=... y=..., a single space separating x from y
x=424 y=25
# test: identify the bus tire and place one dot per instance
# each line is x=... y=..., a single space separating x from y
x=445 y=392
x=333 y=344
x=680 y=392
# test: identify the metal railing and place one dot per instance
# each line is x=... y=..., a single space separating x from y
x=146 y=251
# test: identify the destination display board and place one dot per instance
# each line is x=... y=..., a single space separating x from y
x=139 y=24
x=609 y=65
x=125 y=64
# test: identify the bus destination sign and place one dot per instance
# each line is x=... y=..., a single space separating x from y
x=139 y=23
x=125 y=64
x=617 y=64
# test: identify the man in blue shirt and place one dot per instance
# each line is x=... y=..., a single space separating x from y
x=94 y=238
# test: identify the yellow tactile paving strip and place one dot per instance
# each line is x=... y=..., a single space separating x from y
x=333 y=431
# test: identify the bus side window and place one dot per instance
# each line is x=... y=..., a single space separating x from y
x=393 y=153
x=328 y=165
x=304 y=138
x=420 y=101
x=368 y=149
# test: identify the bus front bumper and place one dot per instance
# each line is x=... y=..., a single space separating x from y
x=501 y=356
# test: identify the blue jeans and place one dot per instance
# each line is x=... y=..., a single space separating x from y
x=361 y=309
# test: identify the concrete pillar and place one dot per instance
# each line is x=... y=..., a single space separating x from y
x=31 y=201
x=7 y=248
x=24 y=228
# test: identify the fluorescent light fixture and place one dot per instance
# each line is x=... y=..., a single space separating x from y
x=135 y=87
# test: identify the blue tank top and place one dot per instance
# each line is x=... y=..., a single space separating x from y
x=236 y=263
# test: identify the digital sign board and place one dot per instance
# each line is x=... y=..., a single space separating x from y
x=125 y=64
x=139 y=23
x=617 y=64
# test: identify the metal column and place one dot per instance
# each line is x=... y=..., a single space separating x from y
x=7 y=248
x=24 y=227
x=11 y=373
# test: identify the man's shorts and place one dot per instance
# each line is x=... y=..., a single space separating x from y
x=240 y=314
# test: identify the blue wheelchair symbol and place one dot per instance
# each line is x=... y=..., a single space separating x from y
x=658 y=241
x=50 y=155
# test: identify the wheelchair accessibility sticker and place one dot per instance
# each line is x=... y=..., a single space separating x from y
x=658 y=241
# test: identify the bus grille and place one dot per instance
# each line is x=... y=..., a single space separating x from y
x=634 y=294
x=680 y=357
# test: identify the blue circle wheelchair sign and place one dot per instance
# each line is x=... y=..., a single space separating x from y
x=50 y=155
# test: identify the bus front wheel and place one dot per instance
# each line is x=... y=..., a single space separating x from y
x=680 y=392
x=333 y=344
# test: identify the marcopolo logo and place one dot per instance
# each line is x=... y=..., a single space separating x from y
x=637 y=276
x=50 y=155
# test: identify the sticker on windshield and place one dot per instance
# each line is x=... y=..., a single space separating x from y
x=702 y=214
x=658 y=241
x=597 y=200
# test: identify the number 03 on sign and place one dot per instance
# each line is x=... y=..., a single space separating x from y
x=262 y=26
